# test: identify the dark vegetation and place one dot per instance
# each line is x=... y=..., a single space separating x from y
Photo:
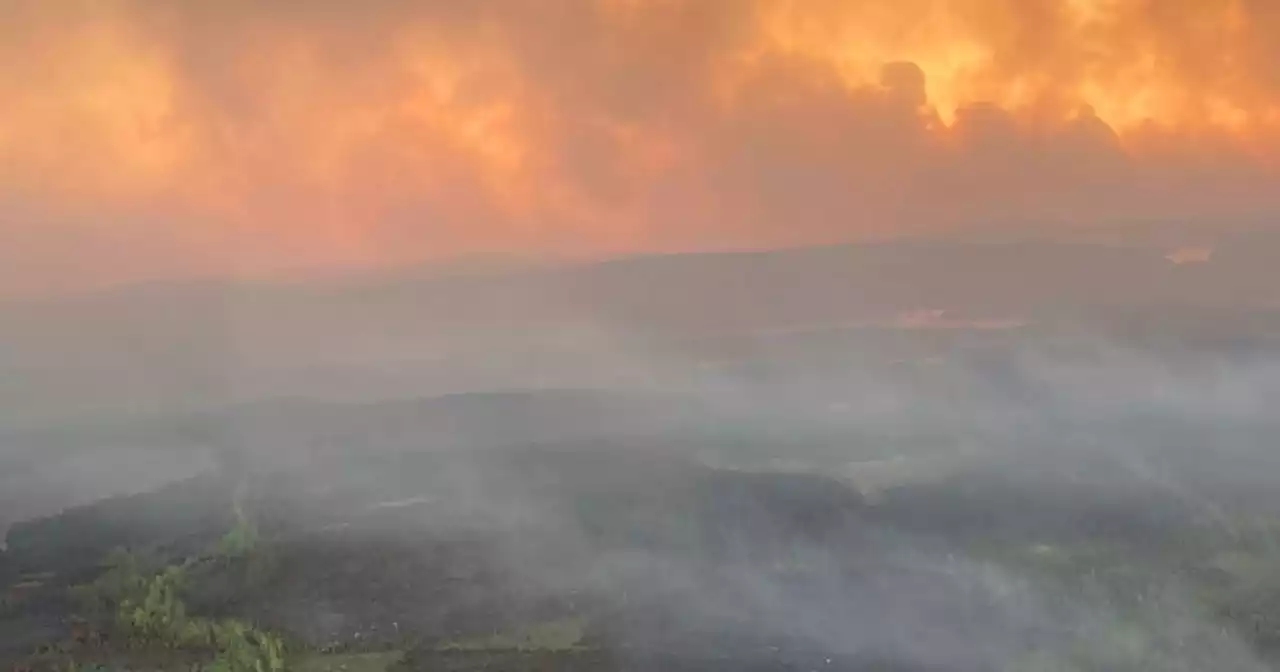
x=628 y=560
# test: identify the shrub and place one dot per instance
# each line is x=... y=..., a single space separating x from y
x=160 y=616
x=243 y=648
x=241 y=540
x=125 y=576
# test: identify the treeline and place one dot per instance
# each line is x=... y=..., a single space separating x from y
x=181 y=518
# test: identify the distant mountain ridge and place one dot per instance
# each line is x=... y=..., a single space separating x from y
x=495 y=329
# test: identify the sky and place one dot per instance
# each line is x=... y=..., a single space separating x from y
x=150 y=139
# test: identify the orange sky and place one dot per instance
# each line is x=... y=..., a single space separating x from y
x=151 y=138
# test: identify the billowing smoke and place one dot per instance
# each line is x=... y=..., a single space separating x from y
x=145 y=139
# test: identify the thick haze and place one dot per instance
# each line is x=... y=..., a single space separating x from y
x=142 y=139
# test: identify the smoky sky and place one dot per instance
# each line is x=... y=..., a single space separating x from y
x=142 y=139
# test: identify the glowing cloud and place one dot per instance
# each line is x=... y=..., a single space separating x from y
x=142 y=138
